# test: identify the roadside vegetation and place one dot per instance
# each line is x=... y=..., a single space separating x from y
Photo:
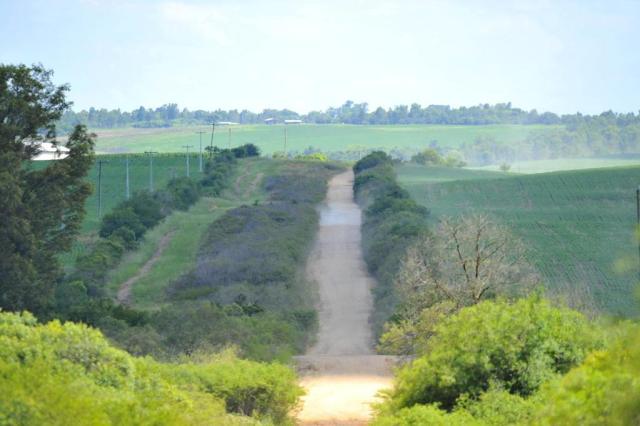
x=392 y=221
x=485 y=344
x=52 y=367
x=72 y=373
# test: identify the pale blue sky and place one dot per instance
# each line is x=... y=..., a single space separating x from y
x=561 y=56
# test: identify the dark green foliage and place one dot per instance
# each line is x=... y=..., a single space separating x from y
x=246 y=150
x=42 y=209
x=392 y=221
x=184 y=192
x=122 y=218
x=374 y=159
x=147 y=207
x=516 y=347
x=191 y=326
x=93 y=266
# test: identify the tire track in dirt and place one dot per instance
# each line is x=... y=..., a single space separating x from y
x=341 y=372
x=124 y=292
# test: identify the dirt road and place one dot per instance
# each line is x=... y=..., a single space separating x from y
x=341 y=372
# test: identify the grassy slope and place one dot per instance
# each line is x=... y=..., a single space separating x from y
x=560 y=164
x=181 y=252
x=113 y=189
x=323 y=137
x=579 y=225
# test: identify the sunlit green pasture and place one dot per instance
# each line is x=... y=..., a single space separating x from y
x=578 y=225
x=327 y=138
x=560 y=164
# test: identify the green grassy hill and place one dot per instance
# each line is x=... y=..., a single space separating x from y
x=579 y=225
x=327 y=138
x=560 y=164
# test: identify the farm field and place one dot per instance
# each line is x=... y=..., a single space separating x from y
x=327 y=138
x=415 y=174
x=560 y=164
x=578 y=225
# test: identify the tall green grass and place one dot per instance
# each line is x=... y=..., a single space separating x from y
x=579 y=226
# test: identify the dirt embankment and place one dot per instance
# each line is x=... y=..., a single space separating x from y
x=341 y=372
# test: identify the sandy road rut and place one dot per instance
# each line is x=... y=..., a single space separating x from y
x=341 y=373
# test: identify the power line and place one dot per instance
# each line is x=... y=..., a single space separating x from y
x=213 y=129
x=187 y=148
x=285 y=141
x=200 y=134
x=150 y=154
x=127 y=192
x=100 y=163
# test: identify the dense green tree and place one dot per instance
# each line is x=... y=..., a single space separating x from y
x=42 y=208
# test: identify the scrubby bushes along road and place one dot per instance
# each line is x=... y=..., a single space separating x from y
x=392 y=221
x=59 y=373
x=520 y=363
x=248 y=273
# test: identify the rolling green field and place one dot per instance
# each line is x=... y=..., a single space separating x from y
x=578 y=225
x=327 y=138
x=560 y=164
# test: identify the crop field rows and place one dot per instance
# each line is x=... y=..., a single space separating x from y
x=578 y=226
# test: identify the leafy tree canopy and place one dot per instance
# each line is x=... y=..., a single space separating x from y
x=42 y=208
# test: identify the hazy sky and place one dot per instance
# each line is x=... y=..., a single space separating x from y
x=561 y=56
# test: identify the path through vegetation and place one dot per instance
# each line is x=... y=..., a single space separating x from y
x=341 y=372
x=124 y=292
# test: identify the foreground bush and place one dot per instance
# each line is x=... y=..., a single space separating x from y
x=516 y=347
x=61 y=373
x=605 y=390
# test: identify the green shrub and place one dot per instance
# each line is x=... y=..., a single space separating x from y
x=516 y=347
x=372 y=160
x=60 y=373
x=431 y=415
x=605 y=390
x=392 y=221
x=122 y=217
x=184 y=192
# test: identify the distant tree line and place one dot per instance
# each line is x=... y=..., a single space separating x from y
x=350 y=113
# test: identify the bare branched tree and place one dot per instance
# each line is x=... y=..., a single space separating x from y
x=467 y=260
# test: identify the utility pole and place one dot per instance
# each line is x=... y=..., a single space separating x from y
x=213 y=130
x=127 y=193
x=150 y=154
x=638 y=219
x=100 y=163
x=285 y=141
x=200 y=133
x=187 y=147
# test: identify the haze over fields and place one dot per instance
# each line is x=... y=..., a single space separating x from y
x=386 y=213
